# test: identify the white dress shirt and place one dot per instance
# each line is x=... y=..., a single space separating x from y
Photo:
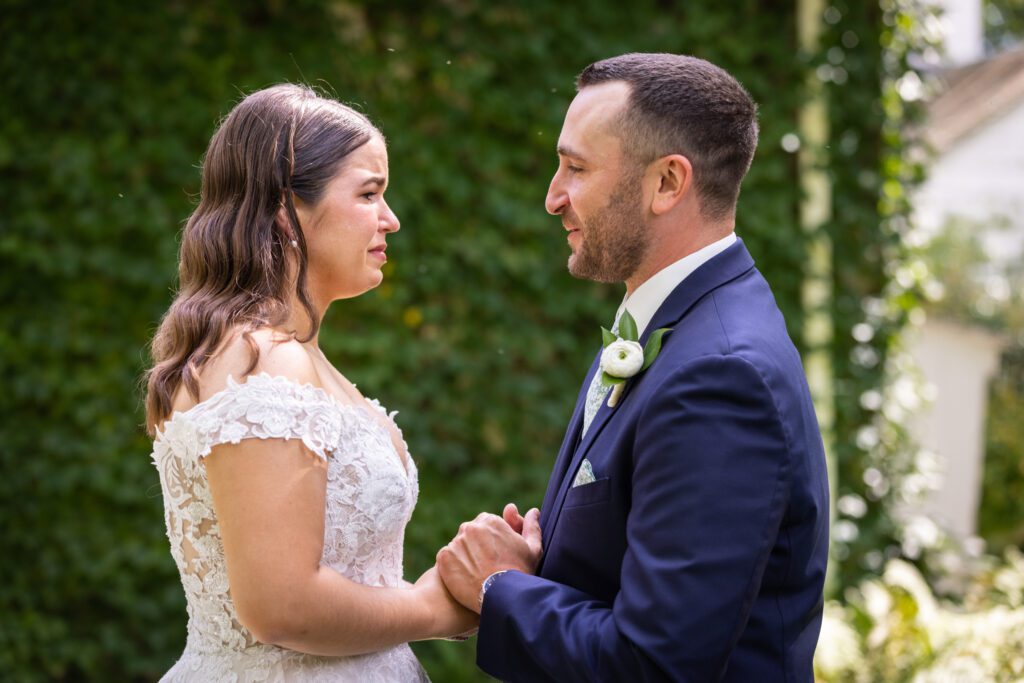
x=648 y=297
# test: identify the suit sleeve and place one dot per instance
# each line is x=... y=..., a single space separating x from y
x=710 y=485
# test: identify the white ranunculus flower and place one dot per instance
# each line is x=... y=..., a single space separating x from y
x=622 y=358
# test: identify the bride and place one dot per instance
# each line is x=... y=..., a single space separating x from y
x=286 y=492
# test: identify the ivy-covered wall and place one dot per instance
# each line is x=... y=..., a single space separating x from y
x=876 y=161
x=478 y=336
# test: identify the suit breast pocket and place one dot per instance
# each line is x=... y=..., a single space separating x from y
x=595 y=492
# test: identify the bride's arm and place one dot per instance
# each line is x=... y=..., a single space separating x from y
x=269 y=498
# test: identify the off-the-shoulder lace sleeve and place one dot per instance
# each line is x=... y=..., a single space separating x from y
x=265 y=407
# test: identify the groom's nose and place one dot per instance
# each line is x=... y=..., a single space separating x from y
x=557 y=199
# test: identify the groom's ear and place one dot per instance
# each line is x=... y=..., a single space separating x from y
x=673 y=176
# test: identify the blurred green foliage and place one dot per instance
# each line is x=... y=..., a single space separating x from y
x=1001 y=513
x=1004 y=23
x=973 y=284
x=478 y=336
x=875 y=163
x=856 y=118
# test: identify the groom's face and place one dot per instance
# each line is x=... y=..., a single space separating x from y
x=597 y=190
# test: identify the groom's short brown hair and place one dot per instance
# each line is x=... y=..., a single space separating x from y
x=685 y=105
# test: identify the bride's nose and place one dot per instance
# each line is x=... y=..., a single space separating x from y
x=389 y=221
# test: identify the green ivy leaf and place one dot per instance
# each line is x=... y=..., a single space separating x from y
x=627 y=327
x=607 y=337
x=608 y=381
x=653 y=347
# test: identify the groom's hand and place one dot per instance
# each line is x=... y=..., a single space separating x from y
x=512 y=517
x=486 y=545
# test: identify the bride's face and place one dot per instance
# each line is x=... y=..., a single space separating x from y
x=346 y=230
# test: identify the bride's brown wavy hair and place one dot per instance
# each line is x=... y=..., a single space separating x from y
x=282 y=142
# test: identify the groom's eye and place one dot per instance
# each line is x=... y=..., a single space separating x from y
x=574 y=169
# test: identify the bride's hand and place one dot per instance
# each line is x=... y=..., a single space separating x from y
x=450 y=618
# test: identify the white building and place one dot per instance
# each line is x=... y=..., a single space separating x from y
x=976 y=126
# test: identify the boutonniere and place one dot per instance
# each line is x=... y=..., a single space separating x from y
x=623 y=357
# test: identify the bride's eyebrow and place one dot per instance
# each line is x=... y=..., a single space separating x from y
x=375 y=180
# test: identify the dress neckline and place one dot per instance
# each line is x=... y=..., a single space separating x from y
x=405 y=464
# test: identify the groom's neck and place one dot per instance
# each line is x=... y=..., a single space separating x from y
x=672 y=242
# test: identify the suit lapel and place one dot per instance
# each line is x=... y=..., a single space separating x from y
x=569 y=443
x=724 y=267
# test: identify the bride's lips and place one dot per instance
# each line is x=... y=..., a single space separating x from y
x=379 y=252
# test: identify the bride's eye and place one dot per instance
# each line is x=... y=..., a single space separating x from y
x=369 y=195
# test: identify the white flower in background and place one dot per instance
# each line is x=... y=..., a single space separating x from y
x=878 y=603
x=909 y=630
x=839 y=650
x=981 y=646
x=622 y=358
x=919 y=533
x=852 y=505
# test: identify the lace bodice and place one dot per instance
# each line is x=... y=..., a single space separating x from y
x=370 y=498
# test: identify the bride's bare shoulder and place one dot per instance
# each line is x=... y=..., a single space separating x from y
x=276 y=353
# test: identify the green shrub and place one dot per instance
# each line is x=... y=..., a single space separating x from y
x=895 y=630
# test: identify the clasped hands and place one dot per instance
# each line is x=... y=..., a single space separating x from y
x=487 y=545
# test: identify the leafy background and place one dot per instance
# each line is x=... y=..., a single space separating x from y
x=478 y=336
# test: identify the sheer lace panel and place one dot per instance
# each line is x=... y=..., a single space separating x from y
x=370 y=498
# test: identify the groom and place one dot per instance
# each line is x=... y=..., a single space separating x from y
x=685 y=529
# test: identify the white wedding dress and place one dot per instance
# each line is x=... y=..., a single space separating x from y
x=370 y=498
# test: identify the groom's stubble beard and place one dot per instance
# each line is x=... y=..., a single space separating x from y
x=615 y=240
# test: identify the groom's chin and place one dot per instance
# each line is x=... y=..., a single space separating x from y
x=584 y=269
x=577 y=272
x=571 y=263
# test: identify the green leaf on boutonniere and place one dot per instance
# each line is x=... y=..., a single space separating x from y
x=627 y=327
x=608 y=381
x=607 y=337
x=653 y=347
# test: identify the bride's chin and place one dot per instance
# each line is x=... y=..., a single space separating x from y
x=374 y=284
x=371 y=282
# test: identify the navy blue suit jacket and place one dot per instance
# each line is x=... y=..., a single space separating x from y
x=699 y=552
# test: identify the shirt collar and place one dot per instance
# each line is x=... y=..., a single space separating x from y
x=648 y=297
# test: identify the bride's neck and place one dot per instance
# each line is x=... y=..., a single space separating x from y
x=300 y=323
